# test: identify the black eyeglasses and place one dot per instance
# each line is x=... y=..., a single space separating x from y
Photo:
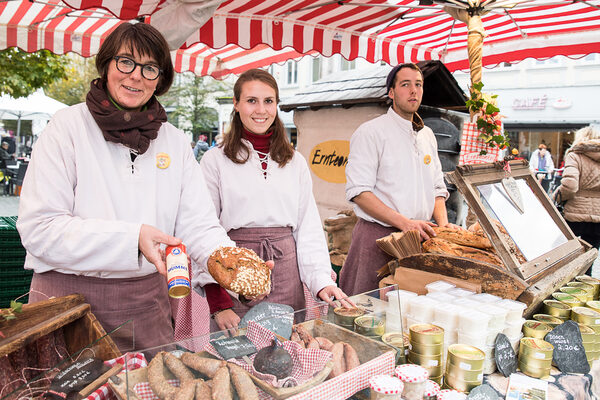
x=126 y=65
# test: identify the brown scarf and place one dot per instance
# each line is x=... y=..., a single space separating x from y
x=134 y=129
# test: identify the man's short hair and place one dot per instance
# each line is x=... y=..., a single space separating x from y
x=542 y=146
x=391 y=78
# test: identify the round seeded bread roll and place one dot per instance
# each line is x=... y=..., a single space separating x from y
x=240 y=270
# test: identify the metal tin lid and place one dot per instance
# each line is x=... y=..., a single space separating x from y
x=369 y=321
x=398 y=339
x=426 y=329
x=593 y=304
x=466 y=352
x=588 y=312
x=451 y=394
x=431 y=388
x=411 y=373
x=386 y=384
x=565 y=297
x=537 y=326
x=537 y=344
x=349 y=312
x=585 y=330
x=548 y=319
x=557 y=304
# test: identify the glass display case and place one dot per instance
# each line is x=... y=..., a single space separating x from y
x=323 y=352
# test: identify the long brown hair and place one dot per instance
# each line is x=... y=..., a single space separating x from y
x=280 y=150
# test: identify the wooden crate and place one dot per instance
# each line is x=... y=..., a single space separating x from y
x=80 y=327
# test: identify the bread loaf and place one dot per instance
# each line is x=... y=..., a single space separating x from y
x=442 y=246
x=240 y=270
x=465 y=238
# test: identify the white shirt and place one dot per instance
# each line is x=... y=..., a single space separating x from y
x=83 y=200
x=243 y=198
x=398 y=165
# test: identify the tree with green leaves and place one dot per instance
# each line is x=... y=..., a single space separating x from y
x=22 y=73
x=73 y=88
x=190 y=96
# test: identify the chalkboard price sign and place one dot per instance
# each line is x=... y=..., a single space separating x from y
x=278 y=318
x=483 y=392
x=569 y=353
x=506 y=359
x=234 y=347
x=76 y=376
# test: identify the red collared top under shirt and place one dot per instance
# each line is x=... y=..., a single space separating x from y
x=218 y=299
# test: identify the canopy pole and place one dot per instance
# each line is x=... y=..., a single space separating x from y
x=475 y=47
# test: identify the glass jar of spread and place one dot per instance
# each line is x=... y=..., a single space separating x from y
x=385 y=387
x=414 y=378
x=432 y=389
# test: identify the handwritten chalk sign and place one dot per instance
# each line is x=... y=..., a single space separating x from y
x=78 y=375
x=484 y=392
x=569 y=353
x=278 y=318
x=234 y=347
x=504 y=354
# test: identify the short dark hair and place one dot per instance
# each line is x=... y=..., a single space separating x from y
x=391 y=78
x=542 y=146
x=147 y=41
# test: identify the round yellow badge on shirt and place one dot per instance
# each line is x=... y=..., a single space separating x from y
x=427 y=159
x=163 y=160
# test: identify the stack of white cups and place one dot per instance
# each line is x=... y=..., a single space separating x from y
x=397 y=310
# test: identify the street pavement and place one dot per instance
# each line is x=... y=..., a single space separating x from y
x=9 y=207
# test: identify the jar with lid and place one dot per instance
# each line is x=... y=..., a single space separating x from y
x=432 y=389
x=414 y=378
x=385 y=387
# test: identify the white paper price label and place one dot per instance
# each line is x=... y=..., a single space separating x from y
x=465 y=366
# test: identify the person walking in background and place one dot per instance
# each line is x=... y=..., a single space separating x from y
x=394 y=178
x=200 y=148
x=262 y=191
x=541 y=163
x=111 y=181
x=580 y=186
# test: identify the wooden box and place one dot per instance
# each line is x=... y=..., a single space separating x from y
x=80 y=328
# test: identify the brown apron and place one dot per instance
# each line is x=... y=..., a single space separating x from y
x=115 y=301
x=275 y=244
x=359 y=273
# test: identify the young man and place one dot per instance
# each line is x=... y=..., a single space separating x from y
x=394 y=178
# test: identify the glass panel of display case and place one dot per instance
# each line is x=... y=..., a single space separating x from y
x=356 y=331
x=534 y=231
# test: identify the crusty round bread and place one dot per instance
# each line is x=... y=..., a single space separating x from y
x=465 y=238
x=441 y=246
x=240 y=270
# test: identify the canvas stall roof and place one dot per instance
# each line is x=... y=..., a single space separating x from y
x=367 y=85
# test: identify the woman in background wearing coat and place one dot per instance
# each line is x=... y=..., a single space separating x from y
x=580 y=186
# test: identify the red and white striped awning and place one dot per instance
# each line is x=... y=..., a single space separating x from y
x=54 y=26
x=389 y=30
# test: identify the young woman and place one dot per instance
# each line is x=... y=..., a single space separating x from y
x=262 y=191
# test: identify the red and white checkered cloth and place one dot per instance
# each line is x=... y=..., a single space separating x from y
x=131 y=361
x=307 y=362
x=192 y=316
x=347 y=384
x=471 y=146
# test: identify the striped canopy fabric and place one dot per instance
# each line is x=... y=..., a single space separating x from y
x=389 y=30
x=54 y=26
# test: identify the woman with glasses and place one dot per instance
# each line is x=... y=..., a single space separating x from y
x=109 y=182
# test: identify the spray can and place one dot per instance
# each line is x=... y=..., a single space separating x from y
x=178 y=273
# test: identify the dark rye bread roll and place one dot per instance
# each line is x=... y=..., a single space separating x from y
x=240 y=270
x=465 y=238
x=442 y=246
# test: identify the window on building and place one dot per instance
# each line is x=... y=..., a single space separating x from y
x=346 y=65
x=316 y=69
x=292 y=72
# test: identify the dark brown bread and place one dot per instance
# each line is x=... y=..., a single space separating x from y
x=442 y=246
